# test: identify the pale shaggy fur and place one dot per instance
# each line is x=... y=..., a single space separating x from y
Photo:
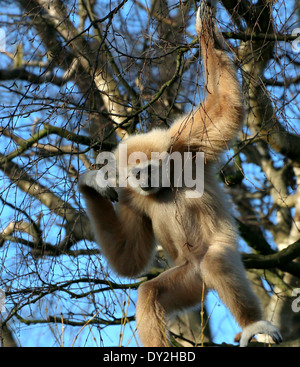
x=198 y=235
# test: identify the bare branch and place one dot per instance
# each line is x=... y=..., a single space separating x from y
x=282 y=260
x=22 y=74
x=18 y=176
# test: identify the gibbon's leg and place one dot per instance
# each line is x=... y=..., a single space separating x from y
x=126 y=237
x=222 y=270
x=175 y=289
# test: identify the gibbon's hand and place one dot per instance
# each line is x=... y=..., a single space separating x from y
x=206 y=9
x=93 y=180
x=260 y=327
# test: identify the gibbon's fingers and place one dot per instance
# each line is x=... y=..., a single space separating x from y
x=206 y=26
x=206 y=9
x=260 y=327
x=92 y=180
x=204 y=12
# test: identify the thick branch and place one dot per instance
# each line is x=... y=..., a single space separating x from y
x=255 y=238
x=94 y=321
x=253 y=36
x=104 y=82
x=76 y=138
x=22 y=74
x=262 y=119
x=23 y=146
x=282 y=260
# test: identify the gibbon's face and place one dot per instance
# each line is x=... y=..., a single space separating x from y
x=145 y=178
x=139 y=161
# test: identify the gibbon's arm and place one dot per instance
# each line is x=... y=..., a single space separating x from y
x=215 y=123
x=126 y=237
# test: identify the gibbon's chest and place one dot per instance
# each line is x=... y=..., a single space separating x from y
x=178 y=227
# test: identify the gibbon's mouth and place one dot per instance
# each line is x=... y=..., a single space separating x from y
x=146 y=188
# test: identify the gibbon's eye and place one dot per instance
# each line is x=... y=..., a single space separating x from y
x=136 y=172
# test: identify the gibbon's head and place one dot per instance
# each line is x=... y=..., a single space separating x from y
x=140 y=160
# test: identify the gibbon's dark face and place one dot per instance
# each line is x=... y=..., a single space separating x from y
x=146 y=178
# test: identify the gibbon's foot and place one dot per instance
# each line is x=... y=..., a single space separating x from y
x=95 y=181
x=260 y=327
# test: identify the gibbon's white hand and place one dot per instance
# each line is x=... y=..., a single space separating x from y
x=93 y=180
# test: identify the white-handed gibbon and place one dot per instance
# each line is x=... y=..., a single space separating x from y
x=197 y=233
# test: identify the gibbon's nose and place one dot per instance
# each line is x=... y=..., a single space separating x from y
x=146 y=184
x=146 y=178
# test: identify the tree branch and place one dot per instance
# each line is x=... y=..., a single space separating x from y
x=55 y=319
x=79 y=139
x=79 y=223
x=282 y=260
x=253 y=36
x=104 y=82
x=22 y=74
x=282 y=83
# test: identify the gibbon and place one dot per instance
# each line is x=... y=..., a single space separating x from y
x=197 y=233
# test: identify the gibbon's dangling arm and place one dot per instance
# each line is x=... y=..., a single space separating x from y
x=126 y=237
x=215 y=123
